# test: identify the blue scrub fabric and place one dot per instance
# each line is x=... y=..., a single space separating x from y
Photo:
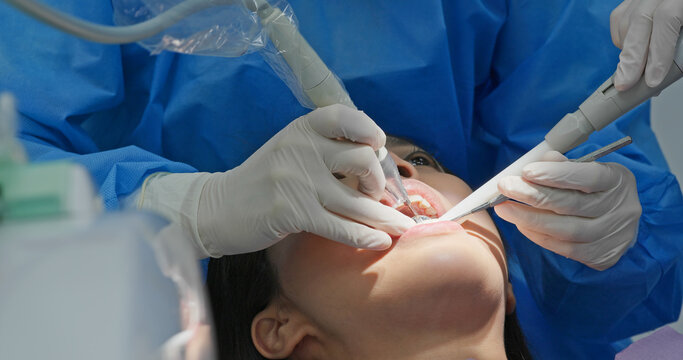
x=477 y=83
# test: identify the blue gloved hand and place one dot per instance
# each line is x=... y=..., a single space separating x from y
x=647 y=32
x=588 y=212
x=287 y=186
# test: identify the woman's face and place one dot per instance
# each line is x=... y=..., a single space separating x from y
x=437 y=283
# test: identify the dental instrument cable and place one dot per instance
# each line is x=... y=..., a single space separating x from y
x=107 y=34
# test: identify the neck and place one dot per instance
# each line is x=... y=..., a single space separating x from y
x=484 y=343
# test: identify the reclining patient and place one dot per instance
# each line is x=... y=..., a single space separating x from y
x=440 y=292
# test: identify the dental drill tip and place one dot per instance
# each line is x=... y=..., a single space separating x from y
x=412 y=208
x=421 y=218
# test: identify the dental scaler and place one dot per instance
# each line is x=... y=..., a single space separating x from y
x=601 y=108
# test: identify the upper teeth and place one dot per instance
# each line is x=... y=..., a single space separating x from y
x=423 y=204
x=417 y=199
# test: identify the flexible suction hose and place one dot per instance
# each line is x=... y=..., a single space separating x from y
x=110 y=34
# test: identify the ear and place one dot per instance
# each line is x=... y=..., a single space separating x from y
x=510 y=300
x=278 y=329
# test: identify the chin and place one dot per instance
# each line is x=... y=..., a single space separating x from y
x=445 y=279
x=458 y=257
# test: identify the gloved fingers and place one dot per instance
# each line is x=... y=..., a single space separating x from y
x=339 y=121
x=553 y=156
x=564 y=248
x=587 y=177
x=344 y=201
x=625 y=20
x=356 y=160
x=559 y=201
x=636 y=44
x=631 y=11
x=561 y=227
x=616 y=25
x=585 y=253
x=567 y=249
x=345 y=231
x=666 y=28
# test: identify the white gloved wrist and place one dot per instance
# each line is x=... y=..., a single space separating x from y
x=176 y=197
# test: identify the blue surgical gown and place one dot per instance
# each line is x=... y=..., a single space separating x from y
x=477 y=83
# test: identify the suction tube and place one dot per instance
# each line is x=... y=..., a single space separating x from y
x=111 y=34
x=600 y=109
x=607 y=104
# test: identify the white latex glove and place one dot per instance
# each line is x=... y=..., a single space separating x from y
x=588 y=212
x=287 y=186
x=647 y=31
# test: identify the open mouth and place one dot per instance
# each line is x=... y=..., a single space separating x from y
x=426 y=201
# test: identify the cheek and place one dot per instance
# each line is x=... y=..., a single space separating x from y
x=326 y=279
x=451 y=187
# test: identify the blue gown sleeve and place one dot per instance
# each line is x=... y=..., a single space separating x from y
x=70 y=95
x=117 y=172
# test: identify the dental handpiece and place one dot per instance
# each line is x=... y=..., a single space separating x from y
x=607 y=104
x=586 y=158
x=601 y=108
x=320 y=85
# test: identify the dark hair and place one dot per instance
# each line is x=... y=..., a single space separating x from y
x=241 y=286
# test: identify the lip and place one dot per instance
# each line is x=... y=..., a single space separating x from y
x=431 y=229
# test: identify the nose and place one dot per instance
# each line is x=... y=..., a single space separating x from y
x=405 y=168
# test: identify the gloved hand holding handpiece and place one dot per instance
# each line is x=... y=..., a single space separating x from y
x=287 y=186
x=588 y=212
x=647 y=32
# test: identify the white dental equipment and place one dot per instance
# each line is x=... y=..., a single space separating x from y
x=586 y=158
x=601 y=108
x=86 y=275
x=318 y=83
